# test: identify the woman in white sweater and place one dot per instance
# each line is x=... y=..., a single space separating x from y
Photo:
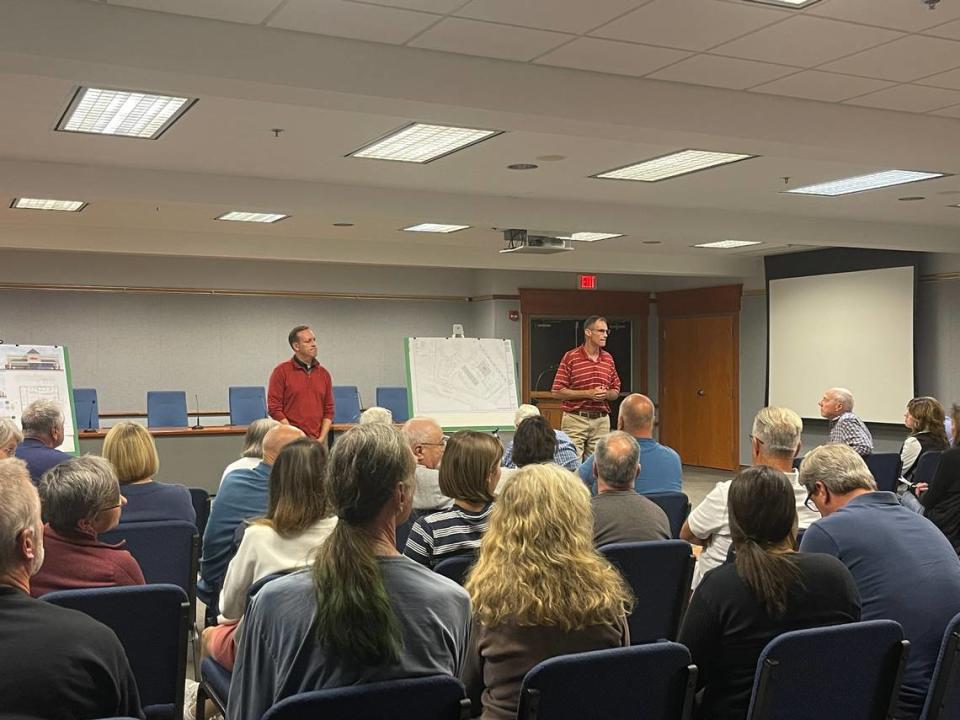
x=297 y=522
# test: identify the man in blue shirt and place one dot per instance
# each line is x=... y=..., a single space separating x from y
x=904 y=567
x=243 y=494
x=42 y=423
x=660 y=469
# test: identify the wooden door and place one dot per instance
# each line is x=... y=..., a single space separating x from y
x=699 y=406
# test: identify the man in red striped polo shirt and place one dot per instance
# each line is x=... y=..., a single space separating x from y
x=300 y=392
x=586 y=381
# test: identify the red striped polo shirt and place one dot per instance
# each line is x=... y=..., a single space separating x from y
x=578 y=372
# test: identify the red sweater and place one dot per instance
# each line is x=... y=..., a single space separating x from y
x=82 y=562
x=304 y=399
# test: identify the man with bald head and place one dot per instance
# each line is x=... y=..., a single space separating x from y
x=836 y=405
x=243 y=494
x=660 y=469
x=58 y=663
x=427 y=441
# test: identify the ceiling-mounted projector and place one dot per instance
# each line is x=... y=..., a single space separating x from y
x=523 y=242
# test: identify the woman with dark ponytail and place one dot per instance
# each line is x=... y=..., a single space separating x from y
x=769 y=589
x=363 y=613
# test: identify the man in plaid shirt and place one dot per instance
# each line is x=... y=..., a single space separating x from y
x=836 y=405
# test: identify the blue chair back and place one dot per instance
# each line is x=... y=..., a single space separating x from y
x=151 y=622
x=247 y=403
x=456 y=567
x=167 y=551
x=347 y=400
x=926 y=466
x=843 y=672
x=86 y=408
x=438 y=697
x=943 y=699
x=643 y=682
x=659 y=573
x=796 y=463
x=200 y=499
x=885 y=468
x=167 y=408
x=676 y=505
x=394 y=399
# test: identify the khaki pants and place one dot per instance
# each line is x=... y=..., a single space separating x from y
x=585 y=431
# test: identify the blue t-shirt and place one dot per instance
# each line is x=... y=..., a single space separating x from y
x=660 y=469
x=38 y=457
x=905 y=570
x=153 y=501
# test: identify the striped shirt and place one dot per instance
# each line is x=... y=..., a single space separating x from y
x=578 y=372
x=444 y=534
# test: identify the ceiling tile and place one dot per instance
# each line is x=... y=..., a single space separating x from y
x=574 y=17
x=953 y=111
x=689 y=24
x=432 y=6
x=722 y=72
x=609 y=56
x=903 y=60
x=816 y=85
x=949 y=79
x=909 y=98
x=805 y=41
x=472 y=37
x=908 y=15
x=252 y=12
x=352 y=20
x=947 y=30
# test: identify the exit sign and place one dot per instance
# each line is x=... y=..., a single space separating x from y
x=587 y=282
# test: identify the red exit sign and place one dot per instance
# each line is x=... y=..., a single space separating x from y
x=587 y=282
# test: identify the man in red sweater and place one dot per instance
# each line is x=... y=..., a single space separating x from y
x=300 y=392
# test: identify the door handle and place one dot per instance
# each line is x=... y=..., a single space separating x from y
x=701 y=392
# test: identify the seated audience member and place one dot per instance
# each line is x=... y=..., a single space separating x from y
x=10 y=437
x=469 y=475
x=620 y=514
x=57 y=663
x=769 y=589
x=252 y=452
x=905 y=569
x=427 y=441
x=42 y=422
x=376 y=414
x=925 y=417
x=243 y=495
x=534 y=442
x=660 y=470
x=297 y=521
x=775 y=442
x=364 y=613
x=539 y=588
x=836 y=405
x=953 y=425
x=131 y=450
x=81 y=499
x=565 y=455
x=941 y=501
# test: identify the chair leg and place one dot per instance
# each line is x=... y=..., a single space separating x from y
x=201 y=703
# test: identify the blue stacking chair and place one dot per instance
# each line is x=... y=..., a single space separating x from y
x=394 y=399
x=167 y=408
x=439 y=697
x=151 y=623
x=943 y=699
x=842 y=672
x=642 y=682
x=676 y=505
x=885 y=468
x=927 y=465
x=200 y=499
x=347 y=399
x=659 y=573
x=86 y=408
x=247 y=403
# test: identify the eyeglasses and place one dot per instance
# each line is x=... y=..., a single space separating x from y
x=442 y=443
x=110 y=507
x=751 y=438
x=601 y=332
x=808 y=503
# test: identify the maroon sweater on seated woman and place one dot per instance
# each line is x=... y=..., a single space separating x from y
x=82 y=561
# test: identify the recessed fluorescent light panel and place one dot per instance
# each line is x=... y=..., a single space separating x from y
x=126 y=113
x=728 y=244
x=672 y=165
x=435 y=228
x=43 y=204
x=421 y=143
x=860 y=183
x=589 y=236
x=787 y=3
x=236 y=216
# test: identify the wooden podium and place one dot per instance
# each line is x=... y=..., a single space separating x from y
x=550 y=406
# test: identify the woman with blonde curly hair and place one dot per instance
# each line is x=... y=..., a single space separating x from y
x=539 y=588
